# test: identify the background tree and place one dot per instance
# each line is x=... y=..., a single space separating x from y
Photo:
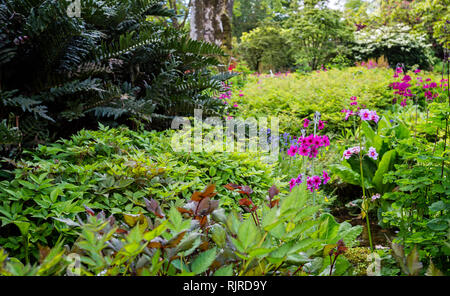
x=318 y=34
x=211 y=21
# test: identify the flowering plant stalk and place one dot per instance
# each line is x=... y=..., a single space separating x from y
x=364 y=115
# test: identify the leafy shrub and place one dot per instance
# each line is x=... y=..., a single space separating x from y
x=318 y=35
x=266 y=48
x=112 y=62
x=396 y=43
x=200 y=239
x=420 y=206
x=293 y=97
x=112 y=170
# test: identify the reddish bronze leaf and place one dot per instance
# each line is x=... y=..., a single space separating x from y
x=209 y=190
x=43 y=252
x=273 y=191
x=89 y=210
x=245 y=202
x=202 y=219
x=274 y=203
x=173 y=242
x=245 y=190
x=153 y=206
x=185 y=211
x=232 y=186
x=197 y=196
x=155 y=245
x=204 y=246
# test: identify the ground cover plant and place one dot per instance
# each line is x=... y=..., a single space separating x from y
x=106 y=168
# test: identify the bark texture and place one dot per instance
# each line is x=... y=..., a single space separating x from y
x=211 y=21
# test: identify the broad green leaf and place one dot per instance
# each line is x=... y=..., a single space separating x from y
x=384 y=166
x=224 y=271
x=202 y=262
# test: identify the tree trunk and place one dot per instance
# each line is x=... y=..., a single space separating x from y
x=211 y=21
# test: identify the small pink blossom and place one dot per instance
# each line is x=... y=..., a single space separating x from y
x=372 y=153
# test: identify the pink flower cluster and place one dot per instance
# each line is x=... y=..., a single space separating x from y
x=350 y=151
x=366 y=115
x=309 y=146
x=402 y=89
x=398 y=70
x=320 y=124
x=314 y=182
x=295 y=181
x=356 y=150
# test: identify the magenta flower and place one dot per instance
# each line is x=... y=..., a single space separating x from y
x=350 y=151
x=316 y=180
x=325 y=141
x=348 y=113
x=303 y=150
x=374 y=116
x=309 y=140
x=406 y=78
x=325 y=177
x=364 y=114
x=313 y=152
x=417 y=71
x=306 y=122
x=292 y=183
x=299 y=180
x=372 y=153
x=317 y=141
x=292 y=150
x=321 y=124
x=310 y=184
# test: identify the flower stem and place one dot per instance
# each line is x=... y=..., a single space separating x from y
x=363 y=188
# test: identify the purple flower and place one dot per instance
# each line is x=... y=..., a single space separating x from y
x=376 y=196
x=364 y=114
x=303 y=150
x=306 y=122
x=299 y=180
x=372 y=153
x=313 y=152
x=325 y=141
x=321 y=124
x=325 y=177
x=292 y=183
x=292 y=150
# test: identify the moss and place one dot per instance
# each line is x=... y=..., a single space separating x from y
x=358 y=258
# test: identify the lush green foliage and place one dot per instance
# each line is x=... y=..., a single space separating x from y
x=266 y=48
x=113 y=61
x=396 y=43
x=294 y=97
x=204 y=241
x=112 y=170
x=317 y=36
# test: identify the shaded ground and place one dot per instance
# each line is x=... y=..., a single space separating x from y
x=378 y=234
